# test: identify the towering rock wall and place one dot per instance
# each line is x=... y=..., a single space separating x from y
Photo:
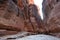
x=19 y=16
x=32 y=20
x=23 y=16
x=48 y=5
x=8 y=17
x=51 y=11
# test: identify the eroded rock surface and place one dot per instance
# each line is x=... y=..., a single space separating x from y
x=23 y=16
x=52 y=16
x=8 y=17
x=19 y=17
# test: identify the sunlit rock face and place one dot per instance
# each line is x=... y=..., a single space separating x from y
x=51 y=11
x=31 y=1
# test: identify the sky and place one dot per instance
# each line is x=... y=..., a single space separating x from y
x=39 y=4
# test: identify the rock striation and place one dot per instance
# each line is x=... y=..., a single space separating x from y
x=51 y=11
x=8 y=17
x=19 y=16
x=32 y=20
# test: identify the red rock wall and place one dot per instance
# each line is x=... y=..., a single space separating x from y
x=8 y=16
x=21 y=17
x=32 y=20
x=51 y=12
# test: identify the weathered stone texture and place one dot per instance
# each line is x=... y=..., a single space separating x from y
x=8 y=17
x=32 y=20
x=52 y=16
x=19 y=17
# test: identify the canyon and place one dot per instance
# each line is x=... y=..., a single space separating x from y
x=22 y=16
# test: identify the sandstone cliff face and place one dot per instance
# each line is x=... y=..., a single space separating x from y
x=8 y=17
x=20 y=16
x=52 y=19
x=32 y=20
x=48 y=5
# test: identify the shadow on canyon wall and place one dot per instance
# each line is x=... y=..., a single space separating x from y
x=20 y=16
